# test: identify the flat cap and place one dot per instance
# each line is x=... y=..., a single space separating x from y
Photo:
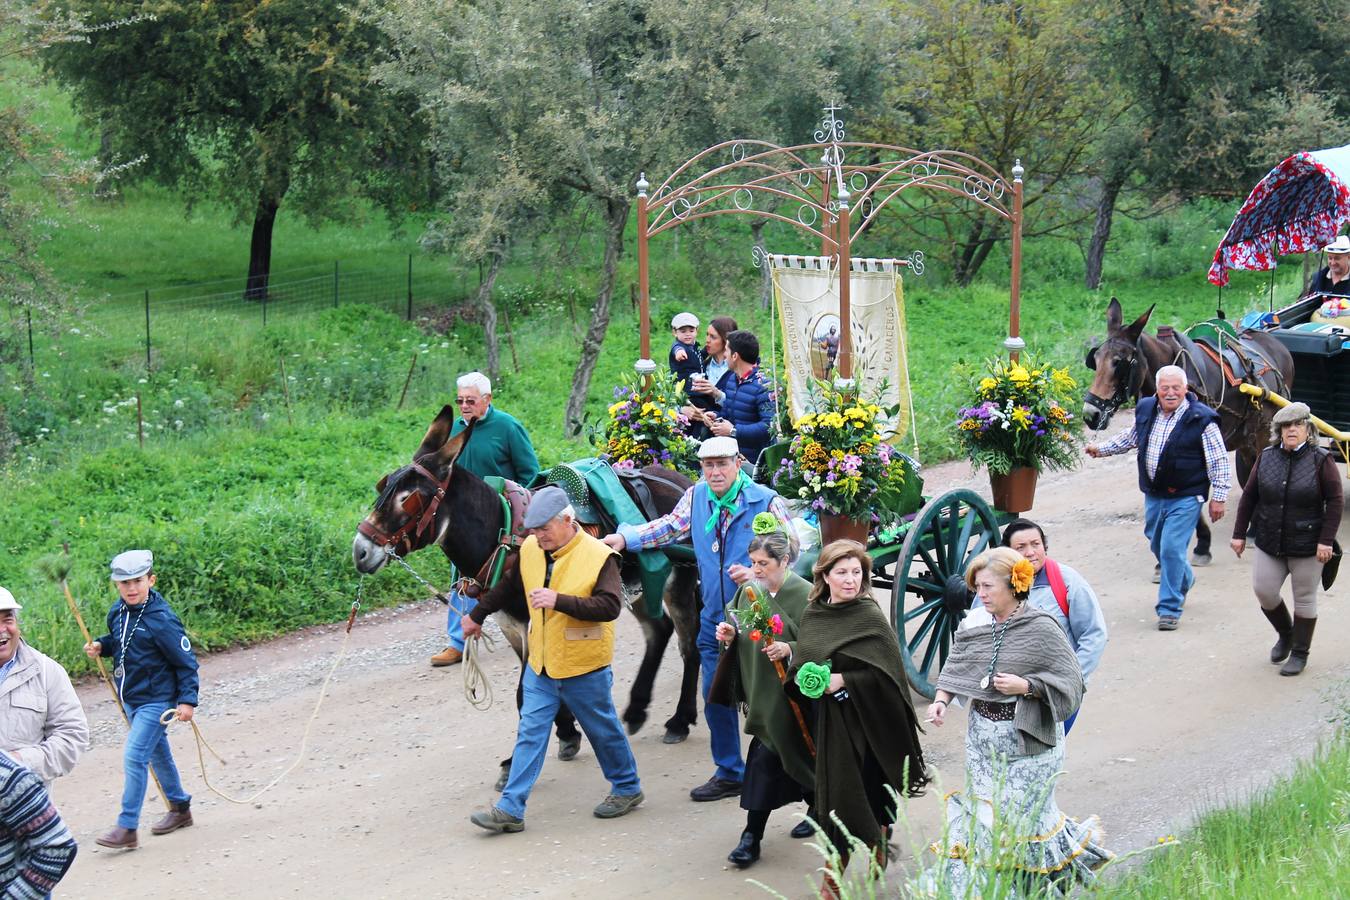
x=718 y=448
x=684 y=320
x=131 y=564
x=7 y=600
x=1294 y=412
x=545 y=504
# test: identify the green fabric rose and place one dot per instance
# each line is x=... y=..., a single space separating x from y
x=813 y=679
x=765 y=523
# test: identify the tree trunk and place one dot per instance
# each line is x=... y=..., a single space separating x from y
x=1101 y=229
x=489 y=311
x=974 y=250
x=616 y=217
x=260 y=248
x=766 y=275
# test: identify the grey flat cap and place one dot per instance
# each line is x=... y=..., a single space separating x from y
x=545 y=504
x=131 y=564
x=1294 y=412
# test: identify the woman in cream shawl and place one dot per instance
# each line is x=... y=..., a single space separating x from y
x=1017 y=670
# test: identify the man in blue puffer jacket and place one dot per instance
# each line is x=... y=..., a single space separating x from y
x=154 y=671
x=746 y=407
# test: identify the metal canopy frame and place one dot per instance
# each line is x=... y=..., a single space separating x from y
x=761 y=179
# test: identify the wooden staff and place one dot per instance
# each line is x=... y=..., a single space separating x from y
x=60 y=567
x=796 y=710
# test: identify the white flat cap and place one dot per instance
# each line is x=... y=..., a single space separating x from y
x=719 y=448
x=131 y=564
x=7 y=600
x=684 y=320
x=1340 y=245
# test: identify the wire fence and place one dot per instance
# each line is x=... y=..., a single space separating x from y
x=124 y=327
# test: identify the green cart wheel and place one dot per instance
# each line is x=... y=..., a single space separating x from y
x=929 y=598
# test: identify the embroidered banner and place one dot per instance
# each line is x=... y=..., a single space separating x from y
x=806 y=291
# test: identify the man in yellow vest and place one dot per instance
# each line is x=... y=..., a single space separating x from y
x=573 y=586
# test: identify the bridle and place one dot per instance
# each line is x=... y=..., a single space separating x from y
x=421 y=515
x=1128 y=383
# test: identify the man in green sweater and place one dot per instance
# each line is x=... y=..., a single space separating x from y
x=500 y=446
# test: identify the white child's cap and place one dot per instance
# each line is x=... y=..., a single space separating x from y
x=131 y=564
x=684 y=320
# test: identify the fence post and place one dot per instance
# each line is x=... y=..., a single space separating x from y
x=147 y=333
x=264 y=307
x=32 y=363
x=335 y=284
x=409 y=287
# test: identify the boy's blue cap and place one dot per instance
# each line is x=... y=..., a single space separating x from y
x=684 y=320
x=131 y=564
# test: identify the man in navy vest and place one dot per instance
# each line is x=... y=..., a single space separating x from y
x=714 y=515
x=1181 y=458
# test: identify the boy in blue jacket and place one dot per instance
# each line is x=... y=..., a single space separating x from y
x=154 y=670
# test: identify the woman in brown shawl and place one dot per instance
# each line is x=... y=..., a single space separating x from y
x=779 y=768
x=1014 y=665
x=867 y=734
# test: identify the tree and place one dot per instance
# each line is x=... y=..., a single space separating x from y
x=579 y=98
x=1002 y=80
x=1218 y=91
x=252 y=104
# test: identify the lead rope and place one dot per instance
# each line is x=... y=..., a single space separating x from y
x=167 y=717
x=477 y=687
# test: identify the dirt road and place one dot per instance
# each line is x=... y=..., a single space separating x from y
x=397 y=759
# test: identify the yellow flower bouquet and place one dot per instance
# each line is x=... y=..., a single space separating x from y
x=839 y=462
x=1019 y=416
x=644 y=425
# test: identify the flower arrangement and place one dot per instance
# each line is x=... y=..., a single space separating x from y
x=645 y=426
x=839 y=461
x=756 y=616
x=1020 y=417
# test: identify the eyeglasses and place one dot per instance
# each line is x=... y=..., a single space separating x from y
x=467 y=401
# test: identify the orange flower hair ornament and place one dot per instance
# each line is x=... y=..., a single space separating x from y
x=1022 y=576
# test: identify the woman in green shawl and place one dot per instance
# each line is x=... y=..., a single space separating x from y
x=778 y=766
x=867 y=735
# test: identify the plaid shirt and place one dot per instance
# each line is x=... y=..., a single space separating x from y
x=673 y=528
x=1216 y=455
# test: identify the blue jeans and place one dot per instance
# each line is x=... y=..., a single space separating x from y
x=147 y=745
x=591 y=699
x=724 y=730
x=1169 y=524
x=458 y=608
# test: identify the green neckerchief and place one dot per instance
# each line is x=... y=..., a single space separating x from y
x=727 y=502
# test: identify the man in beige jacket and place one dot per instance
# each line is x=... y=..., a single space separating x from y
x=42 y=723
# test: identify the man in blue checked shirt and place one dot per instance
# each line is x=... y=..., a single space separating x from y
x=1181 y=458
x=714 y=515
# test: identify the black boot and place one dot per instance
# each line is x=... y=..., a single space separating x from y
x=746 y=852
x=1284 y=627
x=1298 y=653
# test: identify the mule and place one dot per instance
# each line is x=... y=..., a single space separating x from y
x=1127 y=360
x=433 y=501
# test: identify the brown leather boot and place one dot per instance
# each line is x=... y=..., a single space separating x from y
x=447 y=657
x=118 y=838
x=178 y=817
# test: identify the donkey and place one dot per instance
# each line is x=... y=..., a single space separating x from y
x=433 y=501
x=1125 y=363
